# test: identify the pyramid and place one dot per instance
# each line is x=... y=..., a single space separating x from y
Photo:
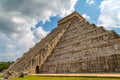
x=75 y=46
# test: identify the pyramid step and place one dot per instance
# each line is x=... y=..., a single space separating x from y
x=47 y=49
x=95 y=39
x=82 y=35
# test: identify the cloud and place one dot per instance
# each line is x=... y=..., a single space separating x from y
x=17 y=17
x=109 y=14
x=86 y=16
x=10 y=46
x=39 y=33
x=90 y=2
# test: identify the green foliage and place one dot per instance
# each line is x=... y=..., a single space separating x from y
x=4 y=65
x=63 y=78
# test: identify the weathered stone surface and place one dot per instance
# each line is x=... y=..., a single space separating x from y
x=75 y=46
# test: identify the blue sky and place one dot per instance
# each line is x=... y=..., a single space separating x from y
x=82 y=7
x=91 y=10
x=22 y=25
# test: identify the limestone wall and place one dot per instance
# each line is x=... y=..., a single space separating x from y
x=84 y=48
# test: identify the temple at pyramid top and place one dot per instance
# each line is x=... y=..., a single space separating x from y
x=69 y=17
x=75 y=46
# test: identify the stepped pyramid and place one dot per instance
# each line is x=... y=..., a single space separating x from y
x=75 y=46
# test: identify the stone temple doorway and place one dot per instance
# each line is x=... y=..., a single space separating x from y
x=37 y=70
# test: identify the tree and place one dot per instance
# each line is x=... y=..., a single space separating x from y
x=4 y=65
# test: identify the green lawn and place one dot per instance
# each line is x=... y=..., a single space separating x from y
x=63 y=78
x=0 y=77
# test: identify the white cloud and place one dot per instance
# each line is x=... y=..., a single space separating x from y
x=17 y=17
x=109 y=14
x=90 y=2
x=39 y=33
x=86 y=16
x=10 y=46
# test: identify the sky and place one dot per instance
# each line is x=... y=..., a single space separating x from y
x=25 y=22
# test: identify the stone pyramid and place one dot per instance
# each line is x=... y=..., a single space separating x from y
x=75 y=46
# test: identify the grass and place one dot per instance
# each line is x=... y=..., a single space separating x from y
x=0 y=76
x=63 y=78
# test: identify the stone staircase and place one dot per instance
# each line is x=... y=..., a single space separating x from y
x=44 y=48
